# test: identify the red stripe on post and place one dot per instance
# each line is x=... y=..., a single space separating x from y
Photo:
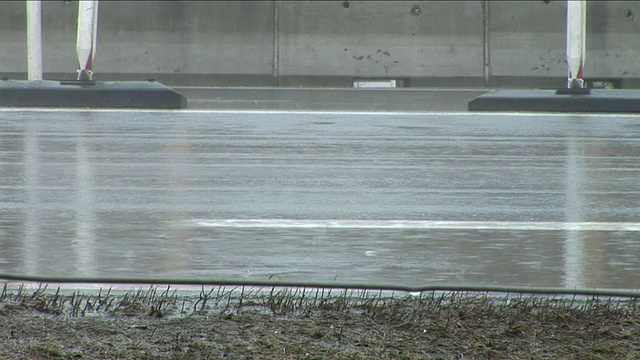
x=579 y=76
x=89 y=63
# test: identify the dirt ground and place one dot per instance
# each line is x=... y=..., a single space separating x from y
x=156 y=323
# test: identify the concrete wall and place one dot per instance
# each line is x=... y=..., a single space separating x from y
x=381 y=39
x=319 y=43
x=529 y=40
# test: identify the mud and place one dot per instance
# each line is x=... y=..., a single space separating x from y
x=156 y=323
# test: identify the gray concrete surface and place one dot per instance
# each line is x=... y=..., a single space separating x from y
x=322 y=43
x=140 y=193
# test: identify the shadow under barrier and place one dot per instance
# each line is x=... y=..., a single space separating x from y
x=564 y=100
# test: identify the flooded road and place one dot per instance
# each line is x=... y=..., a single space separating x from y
x=541 y=200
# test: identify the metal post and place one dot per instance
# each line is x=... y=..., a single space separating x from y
x=576 y=41
x=34 y=39
x=86 y=39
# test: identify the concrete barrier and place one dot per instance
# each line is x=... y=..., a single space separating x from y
x=330 y=43
x=529 y=40
x=381 y=39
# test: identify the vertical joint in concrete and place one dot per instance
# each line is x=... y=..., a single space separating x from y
x=486 y=49
x=276 y=43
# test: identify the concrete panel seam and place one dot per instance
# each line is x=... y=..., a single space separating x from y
x=486 y=49
x=276 y=43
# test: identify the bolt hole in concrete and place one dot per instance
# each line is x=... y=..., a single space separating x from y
x=415 y=10
x=345 y=4
x=629 y=14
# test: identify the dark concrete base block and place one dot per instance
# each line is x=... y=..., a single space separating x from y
x=597 y=100
x=92 y=94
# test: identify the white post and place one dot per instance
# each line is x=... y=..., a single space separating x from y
x=34 y=39
x=576 y=41
x=87 y=36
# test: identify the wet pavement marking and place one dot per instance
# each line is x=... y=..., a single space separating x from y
x=418 y=224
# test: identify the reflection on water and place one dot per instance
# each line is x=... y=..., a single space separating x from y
x=32 y=216
x=98 y=194
x=84 y=242
x=574 y=250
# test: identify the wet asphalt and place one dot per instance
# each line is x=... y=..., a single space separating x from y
x=132 y=193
